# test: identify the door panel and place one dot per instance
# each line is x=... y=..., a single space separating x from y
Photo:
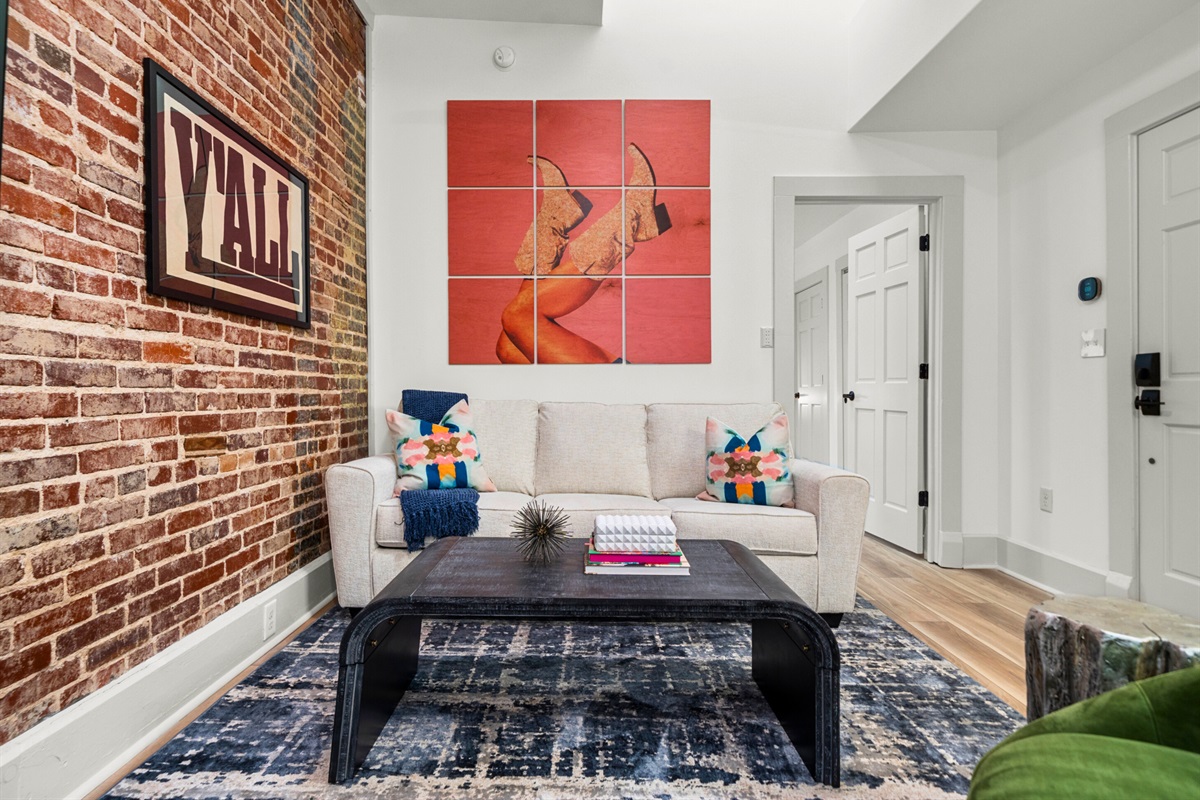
x=812 y=374
x=1169 y=323
x=885 y=324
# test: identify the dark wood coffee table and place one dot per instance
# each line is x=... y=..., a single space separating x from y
x=795 y=656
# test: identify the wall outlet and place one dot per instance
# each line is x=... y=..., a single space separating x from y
x=766 y=337
x=1046 y=499
x=269 y=620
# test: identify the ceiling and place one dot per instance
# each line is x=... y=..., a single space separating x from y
x=1006 y=55
x=565 y=12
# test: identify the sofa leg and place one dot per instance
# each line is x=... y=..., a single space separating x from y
x=833 y=619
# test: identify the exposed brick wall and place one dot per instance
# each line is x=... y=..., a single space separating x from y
x=161 y=462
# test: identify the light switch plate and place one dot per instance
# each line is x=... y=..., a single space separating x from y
x=766 y=337
x=1093 y=343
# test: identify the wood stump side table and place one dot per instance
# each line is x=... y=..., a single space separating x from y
x=1078 y=647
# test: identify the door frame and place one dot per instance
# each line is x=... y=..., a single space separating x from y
x=943 y=198
x=1121 y=132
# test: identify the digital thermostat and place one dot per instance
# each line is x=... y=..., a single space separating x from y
x=1089 y=289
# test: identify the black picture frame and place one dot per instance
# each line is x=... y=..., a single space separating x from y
x=220 y=232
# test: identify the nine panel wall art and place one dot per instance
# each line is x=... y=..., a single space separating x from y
x=579 y=231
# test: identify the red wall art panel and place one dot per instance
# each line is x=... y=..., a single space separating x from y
x=579 y=231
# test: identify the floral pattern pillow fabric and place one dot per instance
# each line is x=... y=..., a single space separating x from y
x=441 y=455
x=749 y=469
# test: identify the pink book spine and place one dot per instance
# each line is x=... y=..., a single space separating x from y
x=633 y=558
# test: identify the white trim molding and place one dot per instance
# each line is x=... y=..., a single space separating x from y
x=71 y=753
x=1033 y=565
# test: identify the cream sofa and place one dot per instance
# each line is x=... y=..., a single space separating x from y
x=590 y=459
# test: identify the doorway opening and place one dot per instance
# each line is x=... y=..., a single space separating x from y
x=860 y=343
x=941 y=197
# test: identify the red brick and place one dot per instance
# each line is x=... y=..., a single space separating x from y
x=14 y=372
x=107 y=348
x=50 y=622
x=200 y=423
x=29 y=72
x=81 y=309
x=25 y=405
x=24 y=663
x=147 y=428
x=18 y=300
x=203 y=328
x=152 y=319
x=93 y=284
x=124 y=289
x=186 y=520
x=110 y=458
x=91 y=631
x=41 y=15
x=88 y=78
x=117 y=646
x=55 y=118
x=205 y=577
x=99 y=230
x=146 y=377
x=73 y=373
x=179 y=567
x=70 y=434
x=22 y=437
x=103 y=405
x=136 y=535
x=60 y=495
x=85 y=578
x=27 y=599
x=38 y=146
x=167 y=352
x=98 y=489
x=20 y=502
x=103 y=115
x=155 y=601
x=120 y=592
x=175 y=614
x=15 y=267
x=67 y=555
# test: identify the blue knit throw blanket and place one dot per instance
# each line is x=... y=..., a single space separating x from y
x=435 y=513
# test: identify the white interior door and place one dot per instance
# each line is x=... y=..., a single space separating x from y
x=884 y=396
x=1169 y=324
x=812 y=373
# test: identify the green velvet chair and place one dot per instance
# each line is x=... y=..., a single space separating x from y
x=1139 y=741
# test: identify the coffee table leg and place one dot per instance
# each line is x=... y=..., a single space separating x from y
x=376 y=670
x=803 y=693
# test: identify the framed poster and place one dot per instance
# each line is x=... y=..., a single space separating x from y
x=226 y=219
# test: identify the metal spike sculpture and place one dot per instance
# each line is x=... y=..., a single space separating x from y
x=541 y=531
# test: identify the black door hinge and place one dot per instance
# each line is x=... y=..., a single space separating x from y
x=923 y=499
x=925 y=243
x=923 y=372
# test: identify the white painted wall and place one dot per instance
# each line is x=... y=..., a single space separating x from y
x=1052 y=233
x=886 y=39
x=776 y=84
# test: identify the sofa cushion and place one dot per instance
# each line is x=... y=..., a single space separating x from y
x=443 y=455
x=583 y=508
x=675 y=436
x=507 y=432
x=745 y=467
x=592 y=447
x=496 y=512
x=764 y=529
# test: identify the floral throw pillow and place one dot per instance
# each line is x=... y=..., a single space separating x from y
x=438 y=456
x=749 y=469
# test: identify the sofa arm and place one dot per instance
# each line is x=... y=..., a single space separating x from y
x=838 y=499
x=353 y=491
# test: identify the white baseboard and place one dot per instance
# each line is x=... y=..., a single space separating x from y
x=1035 y=566
x=71 y=753
x=948 y=551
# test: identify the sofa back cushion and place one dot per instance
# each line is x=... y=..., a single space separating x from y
x=507 y=432
x=675 y=441
x=592 y=448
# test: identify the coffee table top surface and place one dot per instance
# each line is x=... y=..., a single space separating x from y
x=467 y=568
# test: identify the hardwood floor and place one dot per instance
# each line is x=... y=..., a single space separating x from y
x=975 y=618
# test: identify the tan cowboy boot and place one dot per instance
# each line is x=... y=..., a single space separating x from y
x=561 y=211
x=598 y=250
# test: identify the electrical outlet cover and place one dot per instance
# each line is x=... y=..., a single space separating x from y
x=1093 y=343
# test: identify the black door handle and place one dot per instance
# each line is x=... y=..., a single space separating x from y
x=1148 y=403
x=848 y=396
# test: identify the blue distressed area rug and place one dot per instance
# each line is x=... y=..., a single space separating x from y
x=583 y=710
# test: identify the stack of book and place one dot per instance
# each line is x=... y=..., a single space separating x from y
x=634 y=545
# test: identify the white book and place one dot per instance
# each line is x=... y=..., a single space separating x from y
x=682 y=568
